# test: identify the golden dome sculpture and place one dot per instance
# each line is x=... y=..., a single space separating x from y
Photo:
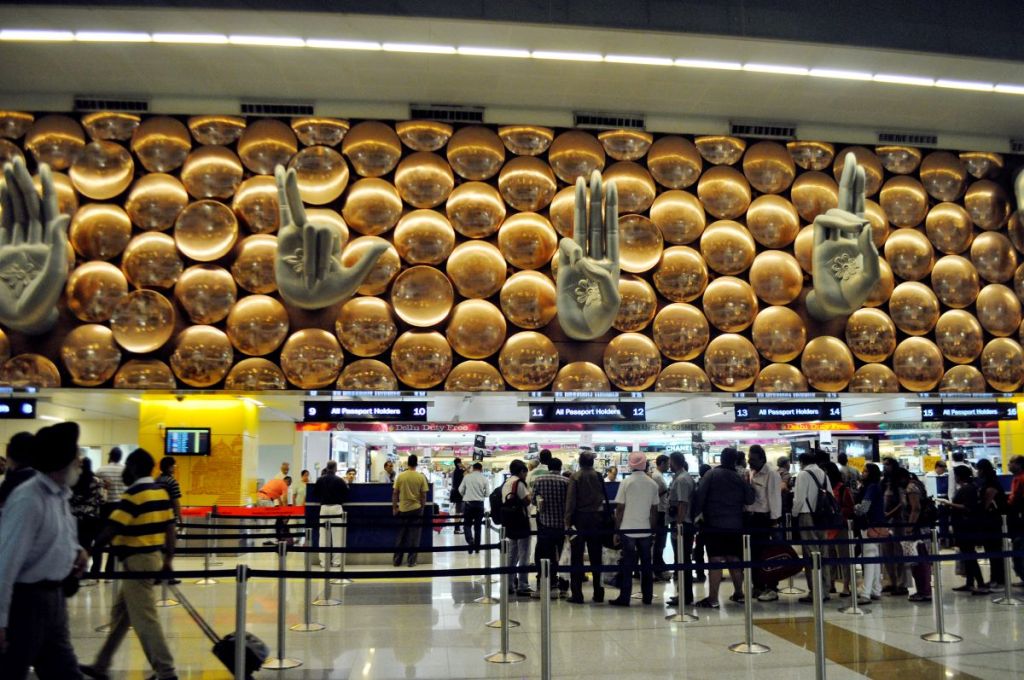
x=206 y=230
x=879 y=222
x=918 y=364
x=528 y=299
x=771 y=220
x=474 y=376
x=145 y=374
x=322 y=174
x=776 y=277
x=873 y=172
x=367 y=374
x=904 y=201
x=674 y=162
x=90 y=354
x=625 y=145
x=14 y=124
x=142 y=321
x=29 y=370
x=882 y=290
x=814 y=193
x=55 y=140
x=561 y=209
x=780 y=378
x=421 y=360
x=634 y=183
x=910 y=254
x=982 y=164
x=681 y=331
x=987 y=204
x=372 y=206
x=257 y=325
x=477 y=269
x=475 y=153
x=526 y=140
x=1002 y=364
x=731 y=362
x=999 y=310
x=959 y=336
x=423 y=135
x=994 y=256
x=828 y=364
x=682 y=274
x=379 y=278
x=311 y=358
x=151 y=259
x=93 y=291
x=683 y=376
x=632 y=362
x=161 y=144
x=678 y=214
x=871 y=334
x=720 y=149
x=727 y=247
x=575 y=154
x=779 y=334
x=476 y=329
x=265 y=144
x=527 y=183
x=730 y=304
x=724 y=191
x=422 y=296
x=316 y=131
x=212 y=172
x=100 y=231
x=527 y=240
x=581 y=376
x=949 y=228
x=943 y=175
x=962 y=379
x=811 y=155
x=424 y=237
x=255 y=374
x=217 y=130
x=528 y=361
x=202 y=356
x=769 y=167
x=914 y=308
x=424 y=179
x=874 y=379
x=637 y=306
x=475 y=209
x=155 y=201
x=102 y=170
x=366 y=326
x=67 y=199
x=640 y=244
x=955 y=281
x=899 y=160
x=253 y=266
x=256 y=204
x=372 y=147
x=206 y=293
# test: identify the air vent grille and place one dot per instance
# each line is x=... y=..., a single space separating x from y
x=764 y=130
x=913 y=138
x=1017 y=145
x=592 y=119
x=447 y=113
x=276 y=109
x=84 y=104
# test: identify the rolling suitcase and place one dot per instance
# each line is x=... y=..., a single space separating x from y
x=256 y=651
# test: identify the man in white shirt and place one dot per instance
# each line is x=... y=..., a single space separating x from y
x=680 y=497
x=763 y=514
x=636 y=512
x=805 y=499
x=38 y=550
x=285 y=468
x=111 y=475
x=474 y=490
x=387 y=475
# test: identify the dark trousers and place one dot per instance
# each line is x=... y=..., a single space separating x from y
x=411 y=524
x=97 y=560
x=549 y=547
x=587 y=524
x=971 y=568
x=698 y=553
x=660 y=537
x=636 y=549
x=473 y=522
x=312 y=520
x=758 y=522
x=685 y=558
x=37 y=635
x=459 y=507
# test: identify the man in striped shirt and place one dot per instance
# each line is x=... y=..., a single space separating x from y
x=141 y=530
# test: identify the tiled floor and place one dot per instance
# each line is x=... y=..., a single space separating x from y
x=431 y=629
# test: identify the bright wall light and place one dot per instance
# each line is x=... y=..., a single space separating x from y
x=709 y=63
x=964 y=85
x=778 y=69
x=112 y=37
x=895 y=79
x=33 y=35
x=191 y=38
x=53 y=418
x=566 y=56
x=645 y=61
x=493 y=52
x=417 y=48
x=839 y=74
x=266 y=41
x=343 y=44
x=1006 y=88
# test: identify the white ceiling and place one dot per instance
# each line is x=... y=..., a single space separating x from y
x=192 y=79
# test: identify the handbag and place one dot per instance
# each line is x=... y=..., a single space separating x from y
x=783 y=560
x=513 y=514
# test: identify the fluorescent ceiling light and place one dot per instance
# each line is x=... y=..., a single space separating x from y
x=254 y=402
x=112 y=36
x=711 y=415
x=191 y=38
x=1006 y=88
x=33 y=34
x=646 y=61
x=566 y=56
x=902 y=80
x=54 y=418
x=418 y=49
x=864 y=415
x=839 y=74
x=779 y=69
x=135 y=399
x=493 y=52
x=343 y=44
x=266 y=41
x=709 y=63
x=964 y=85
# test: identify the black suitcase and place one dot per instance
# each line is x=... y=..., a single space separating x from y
x=256 y=651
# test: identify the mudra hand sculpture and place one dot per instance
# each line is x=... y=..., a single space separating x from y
x=309 y=271
x=844 y=259
x=33 y=251
x=1018 y=189
x=588 y=263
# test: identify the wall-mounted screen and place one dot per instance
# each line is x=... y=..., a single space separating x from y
x=187 y=441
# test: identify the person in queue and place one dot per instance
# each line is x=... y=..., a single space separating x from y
x=112 y=476
x=965 y=513
x=541 y=467
x=657 y=473
x=611 y=474
x=699 y=549
x=332 y=493
x=387 y=475
x=168 y=469
x=86 y=505
x=763 y=515
x=850 y=475
x=921 y=571
x=584 y=504
x=285 y=471
x=721 y=496
x=680 y=499
x=407 y=503
x=39 y=549
x=350 y=476
x=991 y=505
x=843 y=494
x=516 y=501
x=940 y=470
x=455 y=496
x=20 y=450
x=474 y=490
x=895 y=502
x=274 y=494
x=870 y=509
x=1015 y=514
x=142 y=533
x=809 y=482
x=549 y=493
x=636 y=520
x=299 y=493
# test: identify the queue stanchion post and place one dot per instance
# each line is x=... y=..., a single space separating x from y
x=853 y=609
x=281 y=661
x=165 y=599
x=343 y=580
x=105 y=628
x=748 y=646
x=504 y=655
x=790 y=588
x=818 y=585
x=680 y=616
x=545 y=619
x=503 y=620
x=308 y=625
x=208 y=555
x=326 y=600
x=213 y=561
x=241 y=576
x=488 y=597
x=1007 y=598
x=940 y=634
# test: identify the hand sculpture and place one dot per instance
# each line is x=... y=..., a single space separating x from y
x=1018 y=189
x=588 y=264
x=309 y=271
x=33 y=251
x=844 y=259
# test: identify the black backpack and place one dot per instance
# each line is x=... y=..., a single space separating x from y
x=929 y=513
x=826 y=513
x=514 y=515
x=494 y=501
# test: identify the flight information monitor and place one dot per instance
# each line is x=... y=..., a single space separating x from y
x=187 y=441
x=17 y=408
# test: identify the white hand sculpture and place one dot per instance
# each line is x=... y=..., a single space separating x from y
x=309 y=271
x=588 y=264
x=1018 y=189
x=33 y=251
x=844 y=259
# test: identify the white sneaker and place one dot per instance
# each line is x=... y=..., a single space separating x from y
x=768 y=596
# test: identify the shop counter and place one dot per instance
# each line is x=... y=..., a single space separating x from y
x=372 y=524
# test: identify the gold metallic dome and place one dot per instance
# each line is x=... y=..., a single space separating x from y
x=102 y=170
x=206 y=231
x=9 y=151
x=904 y=200
x=681 y=331
x=424 y=179
x=206 y=293
x=67 y=199
x=724 y=191
x=581 y=376
x=637 y=306
x=255 y=375
x=949 y=228
x=730 y=304
x=871 y=334
x=202 y=356
x=474 y=376
x=678 y=214
x=814 y=193
x=477 y=269
x=719 y=149
x=674 y=162
x=635 y=185
x=55 y=140
x=879 y=222
x=962 y=379
x=914 y=308
x=994 y=256
x=145 y=374
x=779 y=334
x=90 y=355
x=100 y=231
x=528 y=299
x=1002 y=364
x=959 y=336
x=640 y=244
x=142 y=321
x=873 y=172
x=918 y=364
x=424 y=237
x=632 y=362
x=526 y=140
x=910 y=254
x=899 y=160
x=161 y=144
x=366 y=326
x=423 y=135
x=683 y=376
x=155 y=201
x=771 y=220
x=828 y=364
x=475 y=209
x=987 y=204
x=955 y=281
x=422 y=296
x=475 y=153
x=943 y=175
x=315 y=131
x=769 y=167
x=682 y=274
x=311 y=358
x=476 y=329
x=94 y=289
x=421 y=360
x=367 y=374
x=29 y=370
x=882 y=290
x=625 y=145
x=377 y=281
x=999 y=310
x=776 y=277
x=874 y=379
x=257 y=325
x=727 y=247
x=253 y=267
x=151 y=259
x=574 y=154
x=811 y=155
x=265 y=144
x=14 y=124
x=803 y=246
x=560 y=212
x=219 y=130
x=212 y=172
x=373 y=148
x=372 y=206
x=731 y=363
x=780 y=378
x=321 y=174
x=527 y=240
x=527 y=183
x=256 y=204
x=528 y=361
x=981 y=164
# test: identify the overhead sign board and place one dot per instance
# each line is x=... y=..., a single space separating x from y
x=577 y=412
x=344 y=411
x=787 y=411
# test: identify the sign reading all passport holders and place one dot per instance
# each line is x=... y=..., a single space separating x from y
x=788 y=412
x=343 y=411
x=635 y=411
x=968 y=412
